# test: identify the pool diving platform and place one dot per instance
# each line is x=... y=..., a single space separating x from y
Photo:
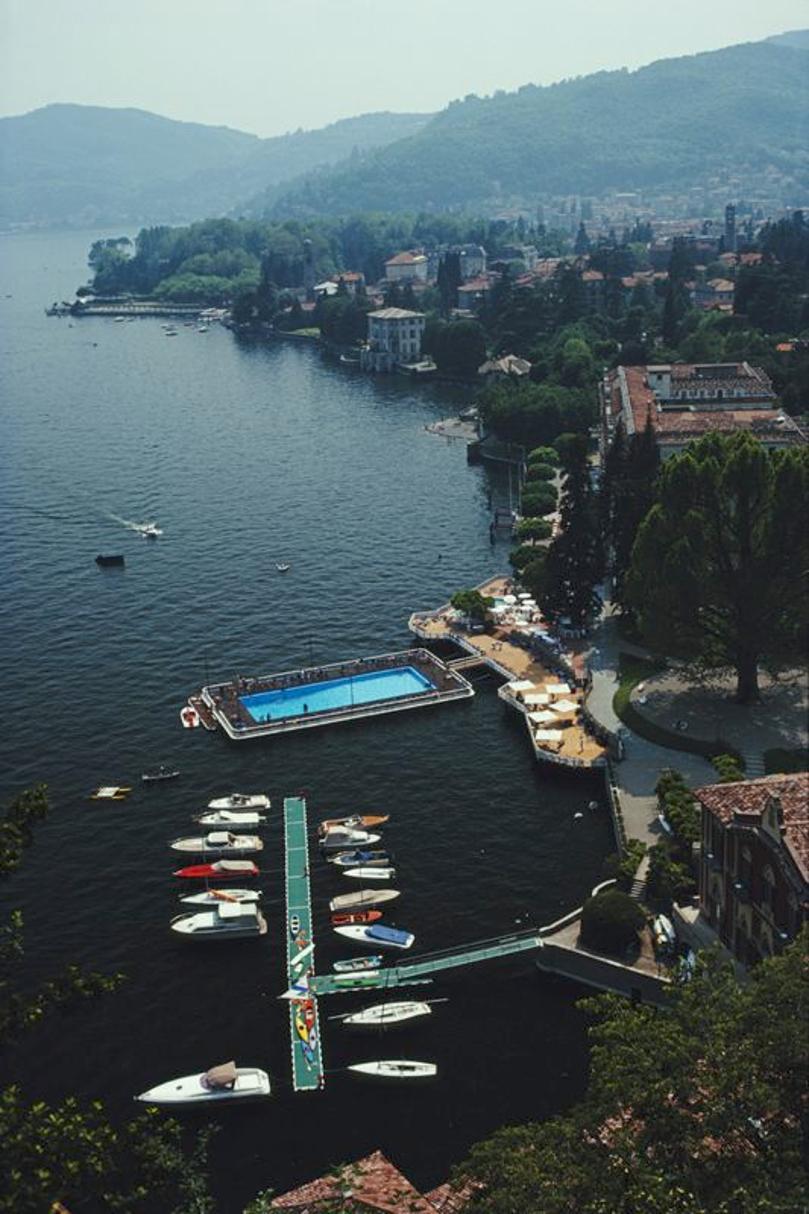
x=422 y=969
x=266 y=705
x=304 y=1027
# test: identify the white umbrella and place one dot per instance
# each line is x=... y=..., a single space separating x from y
x=536 y=697
x=548 y=735
x=542 y=718
x=557 y=689
x=509 y=598
x=564 y=706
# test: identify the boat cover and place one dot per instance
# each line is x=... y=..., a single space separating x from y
x=234 y=866
x=237 y=910
x=222 y=1076
x=393 y=934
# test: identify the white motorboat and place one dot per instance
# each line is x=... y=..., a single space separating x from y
x=341 y=837
x=218 y=1085
x=362 y=898
x=220 y=843
x=396 y=1068
x=230 y=817
x=381 y=1015
x=149 y=530
x=219 y=897
x=227 y=921
x=369 y=874
x=282 y=566
x=378 y=935
x=241 y=800
x=371 y=859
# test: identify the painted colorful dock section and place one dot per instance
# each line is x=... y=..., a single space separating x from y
x=304 y=1027
x=421 y=969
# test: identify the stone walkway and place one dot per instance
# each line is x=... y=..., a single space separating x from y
x=708 y=710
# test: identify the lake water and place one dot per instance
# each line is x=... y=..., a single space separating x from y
x=248 y=454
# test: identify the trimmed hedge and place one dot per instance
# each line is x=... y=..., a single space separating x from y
x=610 y=922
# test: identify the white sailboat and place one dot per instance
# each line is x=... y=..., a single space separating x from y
x=382 y=1015
x=395 y=1068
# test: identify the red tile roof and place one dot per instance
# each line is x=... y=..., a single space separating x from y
x=371 y=1184
x=747 y=800
x=405 y=259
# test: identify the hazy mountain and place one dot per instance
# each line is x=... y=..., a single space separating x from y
x=86 y=165
x=799 y=38
x=676 y=122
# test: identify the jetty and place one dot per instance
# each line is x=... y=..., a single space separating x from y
x=304 y=1027
x=267 y=705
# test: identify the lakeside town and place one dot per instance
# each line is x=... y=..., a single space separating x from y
x=615 y=368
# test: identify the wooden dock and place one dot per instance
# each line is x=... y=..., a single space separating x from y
x=304 y=1027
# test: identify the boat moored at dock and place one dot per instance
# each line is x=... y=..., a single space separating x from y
x=358 y=964
x=362 y=898
x=371 y=859
x=230 y=817
x=241 y=800
x=395 y=1068
x=215 y=897
x=354 y=822
x=220 y=870
x=227 y=921
x=369 y=874
x=383 y=1015
x=378 y=935
x=219 y=842
x=340 y=837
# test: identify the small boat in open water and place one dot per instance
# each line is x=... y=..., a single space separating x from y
x=110 y=562
x=282 y=566
x=160 y=773
x=220 y=870
x=110 y=792
x=221 y=1084
x=395 y=1068
x=241 y=800
x=190 y=717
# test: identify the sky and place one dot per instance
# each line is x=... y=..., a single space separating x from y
x=270 y=66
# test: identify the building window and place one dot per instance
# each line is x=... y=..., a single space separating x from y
x=768 y=888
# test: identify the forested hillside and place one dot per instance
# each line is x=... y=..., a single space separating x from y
x=88 y=165
x=677 y=121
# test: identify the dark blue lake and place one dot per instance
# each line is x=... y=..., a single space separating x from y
x=248 y=454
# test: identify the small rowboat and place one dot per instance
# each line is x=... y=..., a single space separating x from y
x=357 y=963
x=220 y=1084
x=347 y=918
x=212 y=897
x=355 y=822
x=190 y=717
x=220 y=870
x=396 y=1068
x=160 y=773
x=110 y=792
x=362 y=898
x=369 y=874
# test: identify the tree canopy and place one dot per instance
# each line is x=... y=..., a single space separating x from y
x=720 y=564
x=699 y=1108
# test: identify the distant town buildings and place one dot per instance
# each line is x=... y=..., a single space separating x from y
x=371 y=1184
x=754 y=863
x=407 y=267
x=510 y=366
x=394 y=337
x=683 y=401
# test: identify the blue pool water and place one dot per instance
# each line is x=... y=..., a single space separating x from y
x=337 y=693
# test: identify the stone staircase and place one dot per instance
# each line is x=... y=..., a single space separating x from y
x=753 y=764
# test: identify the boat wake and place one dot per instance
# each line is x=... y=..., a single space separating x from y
x=149 y=528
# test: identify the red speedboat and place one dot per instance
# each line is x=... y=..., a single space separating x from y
x=222 y=870
x=346 y=918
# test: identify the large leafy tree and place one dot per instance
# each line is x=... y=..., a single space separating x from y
x=720 y=564
x=574 y=561
x=699 y=1108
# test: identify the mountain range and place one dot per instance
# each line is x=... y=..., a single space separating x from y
x=89 y=166
x=742 y=111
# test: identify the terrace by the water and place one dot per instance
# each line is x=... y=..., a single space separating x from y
x=506 y=647
x=259 y=706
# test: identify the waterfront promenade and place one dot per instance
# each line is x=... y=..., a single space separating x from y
x=500 y=650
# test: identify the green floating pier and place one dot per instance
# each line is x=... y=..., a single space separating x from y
x=304 y=1026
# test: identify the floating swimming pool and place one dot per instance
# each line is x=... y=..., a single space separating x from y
x=332 y=694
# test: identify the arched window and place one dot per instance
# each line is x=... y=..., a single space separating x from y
x=768 y=888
